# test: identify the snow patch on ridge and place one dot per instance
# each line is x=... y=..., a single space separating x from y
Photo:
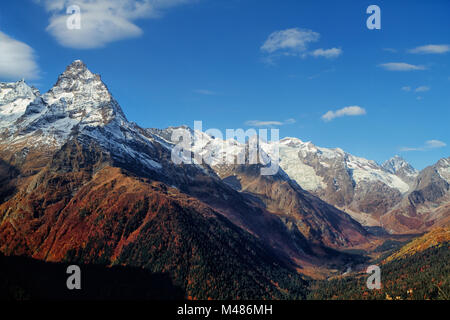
x=14 y=99
x=293 y=152
x=290 y=162
x=444 y=169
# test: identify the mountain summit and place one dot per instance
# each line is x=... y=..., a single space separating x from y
x=84 y=96
x=79 y=100
x=398 y=166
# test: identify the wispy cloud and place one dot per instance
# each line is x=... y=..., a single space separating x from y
x=401 y=66
x=422 y=89
x=429 y=145
x=346 y=111
x=102 y=21
x=205 y=92
x=290 y=121
x=327 y=53
x=270 y=123
x=17 y=59
x=392 y=50
x=294 y=42
x=435 y=144
x=431 y=49
x=418 y=89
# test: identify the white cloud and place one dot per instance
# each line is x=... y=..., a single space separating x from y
x=294 y=42
x=294 y=39
x=327 y=53
x=102 y=21
x=392 y=50
x=401 y=66
x=17 y=59
x=347 y=111
x=431 y=49
x=406 y=88
x=422 y=89
x=429 y=144
x=258 y=123
x=205 y=92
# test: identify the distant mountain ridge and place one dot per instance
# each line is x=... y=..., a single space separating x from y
x=371 y=193
x=398 y=166
x=342 y=179
x=427 y=205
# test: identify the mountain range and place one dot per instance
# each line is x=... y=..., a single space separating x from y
x=82 y=184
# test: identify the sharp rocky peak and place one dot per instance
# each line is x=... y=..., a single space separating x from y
x=78 y=100
x=11 y=91
x=78 y=90
x=444 y=162
x=396 y=164
x=77 y=77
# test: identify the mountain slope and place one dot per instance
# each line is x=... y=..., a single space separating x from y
x=435 y=237
x=419 y=270
x=298 y=209
x=101 y=215
x=340 y=178
x=422 y=276
x=315 y=219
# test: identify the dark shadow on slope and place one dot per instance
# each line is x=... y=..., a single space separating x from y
x=7 y=174
x=24 y=278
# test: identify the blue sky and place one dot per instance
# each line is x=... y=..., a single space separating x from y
x=232 y=63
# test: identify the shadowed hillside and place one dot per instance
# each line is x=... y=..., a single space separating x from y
x=24 y=278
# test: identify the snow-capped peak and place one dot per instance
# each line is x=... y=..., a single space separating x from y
x=443 y=168
x=14 y=99
x=291 y=141
x=396 y=164
x=11 y=91
x=78 y=106
x=76 y=74
x=78 y=100
x=79 y=90
x=311 y=166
